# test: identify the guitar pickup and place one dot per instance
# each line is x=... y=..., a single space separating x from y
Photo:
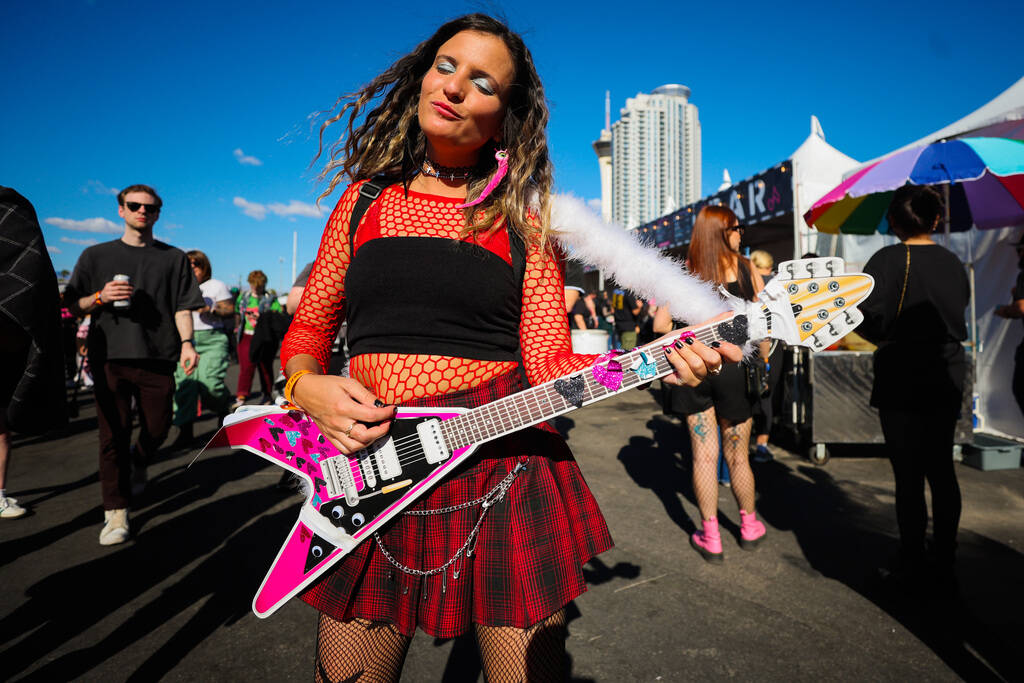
x=434 y=447
x=366 y=467
x=386 y=458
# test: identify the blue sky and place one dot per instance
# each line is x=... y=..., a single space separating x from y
x=209 y=101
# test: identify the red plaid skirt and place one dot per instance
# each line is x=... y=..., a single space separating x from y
x=529 y=552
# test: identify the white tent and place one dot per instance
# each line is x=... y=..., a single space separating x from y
x=817 y=168
x=995 y=268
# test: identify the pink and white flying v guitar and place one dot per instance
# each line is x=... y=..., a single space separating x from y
x=811 y=303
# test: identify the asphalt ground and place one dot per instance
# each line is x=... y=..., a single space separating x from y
x=174 y=602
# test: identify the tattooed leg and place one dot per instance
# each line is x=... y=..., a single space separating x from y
x=736 y=439
x=704 y=441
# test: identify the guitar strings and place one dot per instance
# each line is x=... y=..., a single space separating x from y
x=407 y=449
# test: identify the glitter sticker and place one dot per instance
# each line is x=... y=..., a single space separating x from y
x=610 y=374
x=644 y=367
x=571 y=390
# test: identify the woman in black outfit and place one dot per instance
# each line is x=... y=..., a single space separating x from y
x=721 y=401
x=916 y=316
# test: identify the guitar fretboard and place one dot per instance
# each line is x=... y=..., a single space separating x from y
x=544 y=401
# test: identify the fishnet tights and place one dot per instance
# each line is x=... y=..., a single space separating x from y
x=704 y=441
x=537 y=653
x=367 y=652
x=397 y=378
x=358 y=650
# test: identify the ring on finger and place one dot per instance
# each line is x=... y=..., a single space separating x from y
x=715 y=370
x=348 y=432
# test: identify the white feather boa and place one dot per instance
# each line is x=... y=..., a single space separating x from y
x=641 y=269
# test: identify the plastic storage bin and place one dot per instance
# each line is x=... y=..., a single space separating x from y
x=987 y=452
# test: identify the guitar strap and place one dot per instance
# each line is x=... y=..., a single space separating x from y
x=369 y=192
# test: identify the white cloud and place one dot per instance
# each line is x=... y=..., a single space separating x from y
x=246 y=160
x=87 y=225
x=595 y=204
x=252 y=209
x=87 y=242
x=99 y=188
x=52 y=249
x=296 y=208
x=292 y=208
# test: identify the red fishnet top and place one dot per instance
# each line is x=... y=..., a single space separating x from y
x=397 y=378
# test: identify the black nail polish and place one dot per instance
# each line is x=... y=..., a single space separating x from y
x=678 y=344
x=715 y=344
x=667 y=350
x=689 y=340
x=379 y=403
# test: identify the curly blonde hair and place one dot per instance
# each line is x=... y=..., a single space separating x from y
x=389 y=141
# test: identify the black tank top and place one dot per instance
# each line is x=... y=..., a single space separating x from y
x=743 y=285
x=434 y=296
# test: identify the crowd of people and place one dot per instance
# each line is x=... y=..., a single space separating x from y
x=450 y=167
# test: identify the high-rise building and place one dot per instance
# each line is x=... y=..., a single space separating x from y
x=603 y=148
x=655 y=156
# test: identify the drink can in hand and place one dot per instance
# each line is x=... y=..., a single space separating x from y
x=123 y=303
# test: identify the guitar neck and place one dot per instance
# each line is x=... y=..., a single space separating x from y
x=545 y=401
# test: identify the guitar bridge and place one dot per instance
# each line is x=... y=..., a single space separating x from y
x=338 y=478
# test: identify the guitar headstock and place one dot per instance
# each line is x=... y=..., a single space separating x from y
x=811 y=302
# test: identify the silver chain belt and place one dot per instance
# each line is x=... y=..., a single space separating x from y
x=492 y=497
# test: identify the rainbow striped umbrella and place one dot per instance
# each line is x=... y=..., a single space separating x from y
x=984 y=177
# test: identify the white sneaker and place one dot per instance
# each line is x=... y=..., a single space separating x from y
x=9 y=508
x=115 y=530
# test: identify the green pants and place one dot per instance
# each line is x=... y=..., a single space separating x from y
x=207 y=380
x=628 y=340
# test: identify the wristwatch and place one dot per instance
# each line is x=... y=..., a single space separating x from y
x=189 y=341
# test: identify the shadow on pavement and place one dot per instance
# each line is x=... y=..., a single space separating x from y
x=846 y=534
x=68 y=603
x=662 y=464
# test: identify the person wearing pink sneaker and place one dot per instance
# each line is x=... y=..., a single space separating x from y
x=721 y=401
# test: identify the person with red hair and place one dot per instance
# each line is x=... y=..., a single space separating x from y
x=721 y=402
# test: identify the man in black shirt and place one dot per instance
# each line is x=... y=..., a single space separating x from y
x=140 y=327
x=627 y=312
x=1016 y=310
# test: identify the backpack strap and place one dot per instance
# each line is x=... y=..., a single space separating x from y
x=517 y=250
x=368 y=192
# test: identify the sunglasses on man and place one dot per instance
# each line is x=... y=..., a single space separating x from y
x=135 y=206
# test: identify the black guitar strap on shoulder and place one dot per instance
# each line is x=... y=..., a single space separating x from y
x=517 y=250
x=369 y=191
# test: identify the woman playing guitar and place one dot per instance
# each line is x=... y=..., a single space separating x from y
x=450 y=279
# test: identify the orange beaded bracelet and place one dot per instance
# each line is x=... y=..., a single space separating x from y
x=290 y=384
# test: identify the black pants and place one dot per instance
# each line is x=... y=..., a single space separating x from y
x=920 y=448
x=151 y=384
x=1018 y=376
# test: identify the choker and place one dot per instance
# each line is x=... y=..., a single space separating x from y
x=436 y=170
